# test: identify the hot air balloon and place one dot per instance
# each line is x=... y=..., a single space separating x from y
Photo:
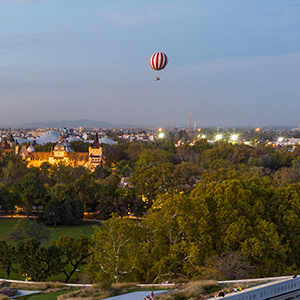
x=158 y=61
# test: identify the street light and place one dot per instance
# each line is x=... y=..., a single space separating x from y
x=218 y=137
x=234 y=137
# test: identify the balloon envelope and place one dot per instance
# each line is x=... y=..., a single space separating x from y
x=158 y=61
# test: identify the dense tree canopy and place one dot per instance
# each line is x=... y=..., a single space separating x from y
x=219 y=210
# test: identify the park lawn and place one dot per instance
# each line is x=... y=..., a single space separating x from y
x=86 y=228
x=6 y=225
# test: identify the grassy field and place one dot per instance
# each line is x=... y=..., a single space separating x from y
x=86 y=228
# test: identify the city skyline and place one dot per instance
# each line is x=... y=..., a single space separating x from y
x=232 y=63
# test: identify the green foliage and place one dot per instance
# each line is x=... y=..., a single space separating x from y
x=87 y=228
x=7 y=257
x=79 y=146
x=31 y=192
x=179 y=236
x=44 y=148
x=67 y=212
x=152 y=158
x=201 y=146
x=29 y=230
x=209 y=210
x=124 y=168
x=116 y=251
x=74 y=253
x=7 y=198
x=150 y=182
x=38 y=262
x=12 y=168
x=181 y=136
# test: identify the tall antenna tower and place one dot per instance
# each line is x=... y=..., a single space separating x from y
x=190 y=120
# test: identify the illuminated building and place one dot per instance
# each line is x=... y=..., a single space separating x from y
x=62 y=153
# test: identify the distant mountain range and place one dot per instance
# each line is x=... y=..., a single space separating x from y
x=101 y=124
x=76 y=123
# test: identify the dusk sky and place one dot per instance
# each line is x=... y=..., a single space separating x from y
x=231 y=63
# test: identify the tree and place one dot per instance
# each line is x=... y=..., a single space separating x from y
x=85 y=187
x=62 y=207
x=185 y=176
x=4 y=197
x=65 y=174
x=38 y=262
x=25 y=229
x=72 y=212
x=45 y=148
x=61 y=192
x=228 y=266
x=264 y=250
x=286 y=215
x=12 y=168
x=7 y=257
x=114 y=153
x=233 y=212
x=181 y=136
x=150 y=182
x=201 y=146
x=115 y=251
x=74 y=253
x=178 y=239
x=124 y=168
x=79 y=146
x=186 y=154
x=13 y=199
x=151 y=158
x=31 y=192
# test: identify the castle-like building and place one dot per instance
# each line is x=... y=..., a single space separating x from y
x=5 y=146
x=62 y=153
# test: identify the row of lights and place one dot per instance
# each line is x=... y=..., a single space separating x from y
x=233 y=137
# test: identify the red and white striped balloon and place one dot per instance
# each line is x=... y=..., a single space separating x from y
x=158 y=61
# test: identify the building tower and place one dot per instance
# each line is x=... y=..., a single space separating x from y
x=96 y=157
x=190 y=120
x=60 y=153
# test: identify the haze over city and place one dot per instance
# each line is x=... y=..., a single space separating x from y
x=231 y=63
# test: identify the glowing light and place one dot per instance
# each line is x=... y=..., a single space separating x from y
x=280 y=139
x=160 y=129
x=234 y=137
x=218 y=137
x=257 y=129
x=203 y=136
x=161 y=135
